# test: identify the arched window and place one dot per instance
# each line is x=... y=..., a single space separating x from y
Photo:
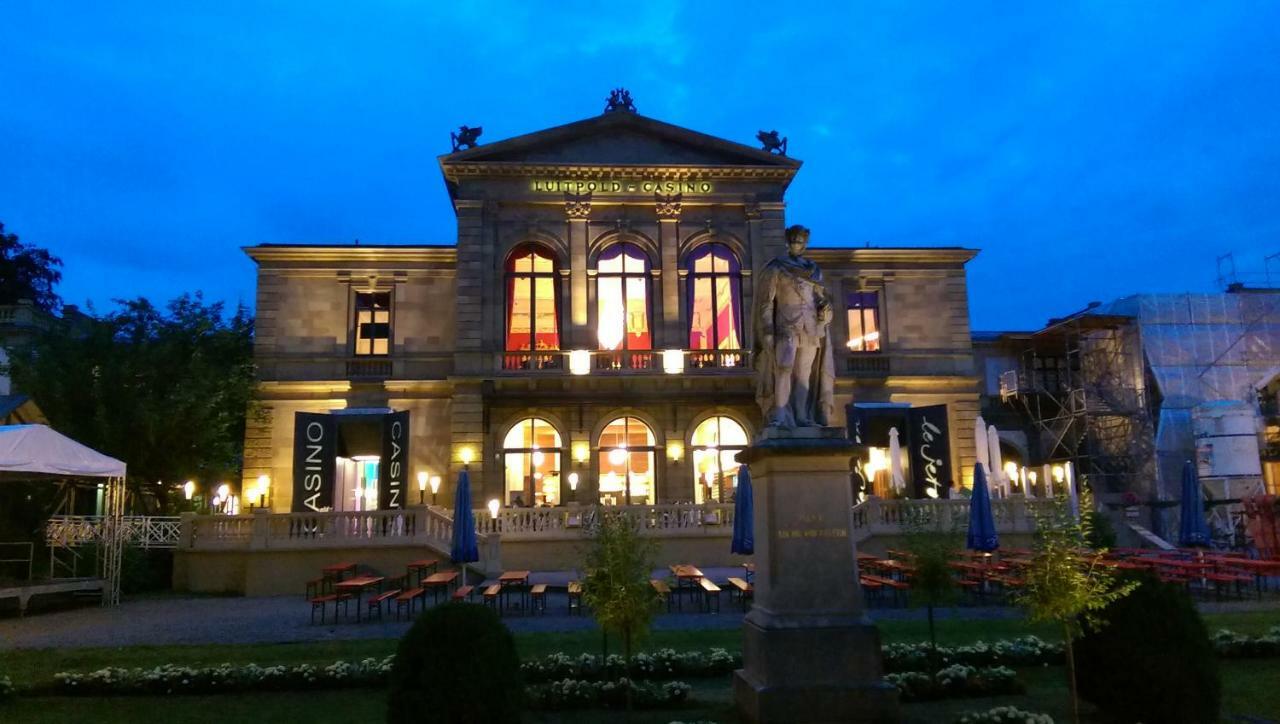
x=627 y=463
x=622 y=304
x=533 y=319
x=716 y=443
x=715 y=293
x=531 y=464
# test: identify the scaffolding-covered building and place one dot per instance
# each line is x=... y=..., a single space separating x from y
x=1129 y=390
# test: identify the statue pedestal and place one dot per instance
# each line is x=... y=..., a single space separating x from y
x=809 y=652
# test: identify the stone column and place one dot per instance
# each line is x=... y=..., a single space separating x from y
x=809 y=652
x=668 y=211
x=577 y=209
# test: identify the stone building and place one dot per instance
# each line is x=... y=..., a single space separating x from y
x=587 y=336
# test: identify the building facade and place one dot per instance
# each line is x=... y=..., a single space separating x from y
x=587 y=338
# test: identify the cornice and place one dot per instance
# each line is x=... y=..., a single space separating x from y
x=453 y=171
x=352 y=253
x=880 y=255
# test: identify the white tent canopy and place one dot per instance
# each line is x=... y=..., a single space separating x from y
x=39 y=449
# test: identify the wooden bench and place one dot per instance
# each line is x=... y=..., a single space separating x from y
x=491 y=597
x=318 y=587
x=575 y=597
x=463 y=593
x=538 y=598
x=322 y=602
x=743 y=590
x=710 y=592
x=376 y=600
x=406 y=599
x=663 y=590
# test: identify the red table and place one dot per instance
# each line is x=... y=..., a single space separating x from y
x=356 y=587
x=510 y=579
x=436 y=581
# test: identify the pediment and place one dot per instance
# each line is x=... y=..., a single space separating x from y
x=619 y=139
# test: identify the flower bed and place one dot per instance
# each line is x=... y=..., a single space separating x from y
x=1232 y=645
x=1024 y=651
x=225 y=678
x=1005 y=715
x=955 y=682
x=579 y=694
x=661 y=664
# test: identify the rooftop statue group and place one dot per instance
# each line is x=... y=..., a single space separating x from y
x=795 y=368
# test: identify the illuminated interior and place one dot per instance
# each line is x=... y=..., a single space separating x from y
x=373 y=323
x=864 y=322
x=531 y=455
x=532 y=317
x=627 y=456
x=716 y=443
x=714 y=290
x=622 y=299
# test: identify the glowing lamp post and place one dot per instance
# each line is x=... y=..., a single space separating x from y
x=493 y=509
x=435 y=487
x=579 y=362
x=673 y=361
x=264 y=487
x=422 y=487
x=189 y=489
x=466 y=454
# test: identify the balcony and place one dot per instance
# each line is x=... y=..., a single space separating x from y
x=623 y=361
x=867 y=364
x=361 y=368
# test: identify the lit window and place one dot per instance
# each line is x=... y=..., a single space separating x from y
x=714 y=290
x=627 y=463
x=864 y=321
x=531 y=457
x=716 y=443
x=622 y=299
x=533 y=322
x=373 y=323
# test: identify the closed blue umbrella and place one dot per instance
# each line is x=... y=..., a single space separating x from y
x=744 y=529
x=463 y=548
x=982 y=524
x=1193 y=529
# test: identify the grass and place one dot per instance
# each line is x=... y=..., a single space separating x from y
x=1248 y=686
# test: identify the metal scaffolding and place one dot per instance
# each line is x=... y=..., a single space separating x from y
x=1081 y=382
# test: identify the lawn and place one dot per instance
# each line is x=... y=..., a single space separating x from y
x=1250 y=687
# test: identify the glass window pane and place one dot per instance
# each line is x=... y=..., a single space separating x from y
x=701 y=317
x=721 y=257
x=517 y=472
x=609 y=264
x=523 y=263
x=543 y=264
x=636 y=261
x=611 y=313
x=547 y=330
x=637 y=315
x=726 y=315
x=520 y=314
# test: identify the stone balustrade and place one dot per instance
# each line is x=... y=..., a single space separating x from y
x=877 y=516
x=715 y=519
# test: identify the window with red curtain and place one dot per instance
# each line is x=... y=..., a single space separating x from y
x=622 y=299
x=715 y=290
x=533 y=319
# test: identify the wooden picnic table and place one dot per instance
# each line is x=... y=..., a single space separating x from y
x=687 y=576
x=867 y=557
x=437 y=581
x=510 y=579
x=337 y=569
x=891 y=566
x=421 y=567
x=356 y=587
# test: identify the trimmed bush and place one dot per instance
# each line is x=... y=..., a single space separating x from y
x=1005 y=715
x=6 y=689
x=1152 y=659
x=956 y=682
x=576 y=694
x=457 y=663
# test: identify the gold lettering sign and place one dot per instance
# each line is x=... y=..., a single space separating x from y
x=619 y=186
x=815 y=533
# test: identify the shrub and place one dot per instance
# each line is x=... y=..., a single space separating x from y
x=623 y=693
x=955 y=682
x=1152 y=659
x=1102 y=536
x=6 y=689
x=458 y=661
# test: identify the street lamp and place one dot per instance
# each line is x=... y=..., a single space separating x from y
x=264 y=487
x=189 y=489
x=493 y=508
x=435 y=487
x=422 y=486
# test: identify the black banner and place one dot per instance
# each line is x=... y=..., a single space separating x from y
x=930 y=449
x=314 y=461
x=393 y=470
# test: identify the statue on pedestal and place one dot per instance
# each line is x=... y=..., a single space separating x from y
x=795 y=368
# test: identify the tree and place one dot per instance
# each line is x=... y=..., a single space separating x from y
x=165 y=390
x=1068 y=584
x=932 y=582
x=28 y=272
x=616 y=586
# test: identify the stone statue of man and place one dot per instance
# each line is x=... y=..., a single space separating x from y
x=794 y=363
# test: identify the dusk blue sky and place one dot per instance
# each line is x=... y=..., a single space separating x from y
x=1089 y=149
